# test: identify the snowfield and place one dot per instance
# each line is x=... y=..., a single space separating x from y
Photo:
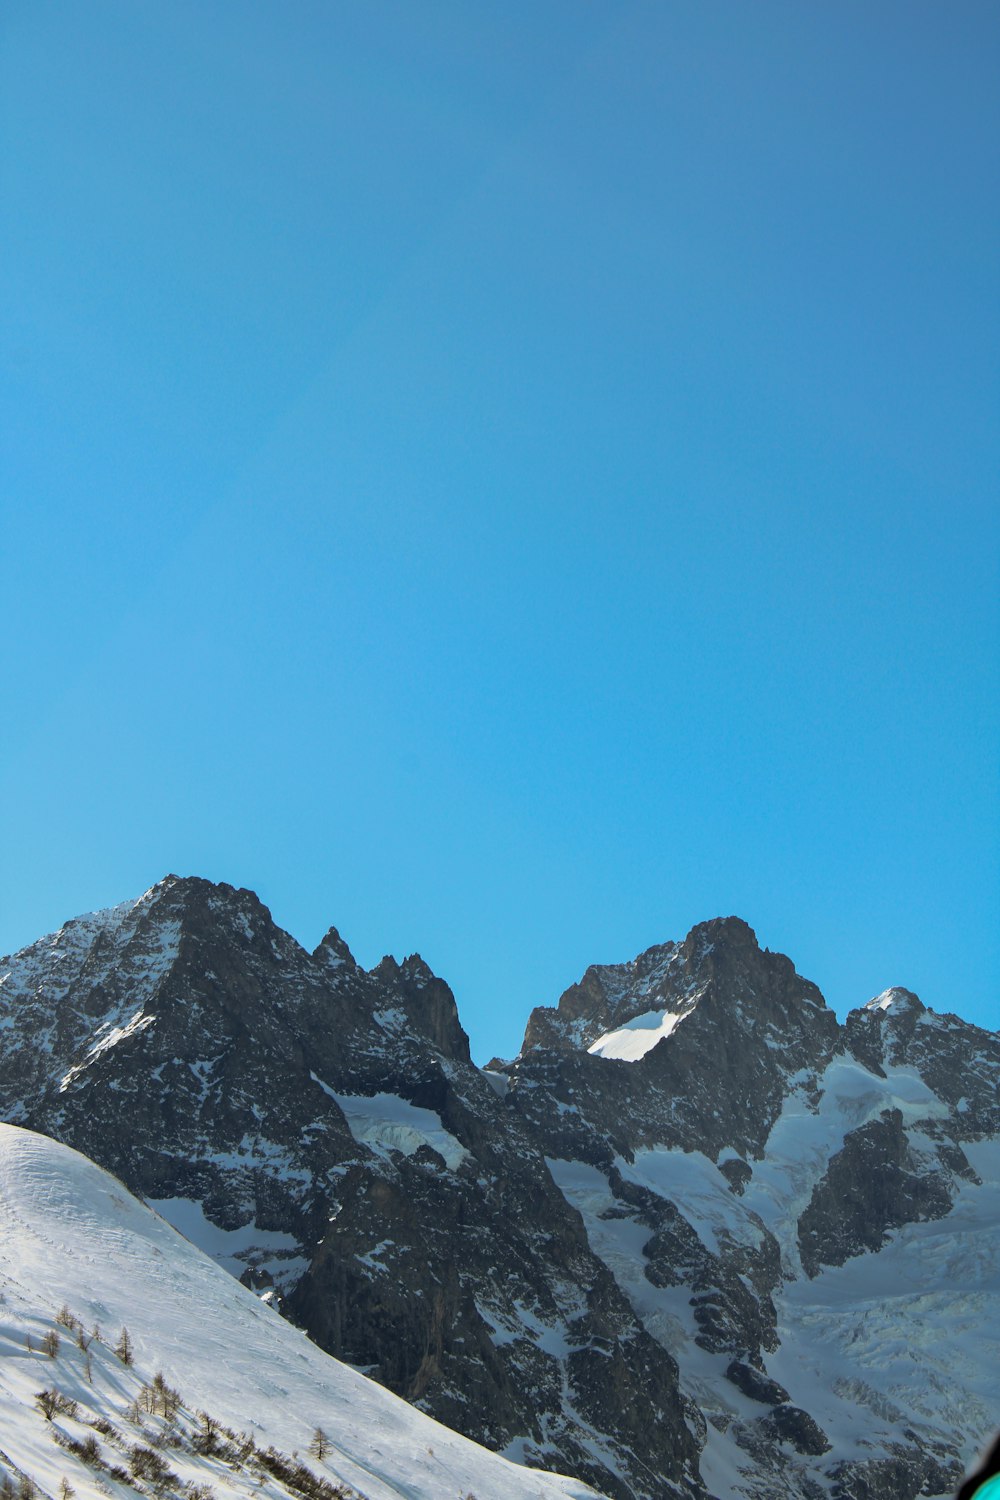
x=905 y=1339
x=74 y=1241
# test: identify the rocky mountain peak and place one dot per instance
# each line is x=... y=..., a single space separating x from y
x=726 y=949
x=211 y=911
x=626 y=1010
x=333 y=950
x=881 y=1029
x=693 y=1044
x=897 y=1000
x=416 y=970
x=196 y=896
x=683 y=1141
x=957 y=1060
x=731 y=932
x=427 y=1002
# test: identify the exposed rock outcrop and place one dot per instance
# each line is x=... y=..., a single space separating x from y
x=673 y=1247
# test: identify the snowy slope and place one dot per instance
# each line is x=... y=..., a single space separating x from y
x=897 y=1342
x=72 y=1237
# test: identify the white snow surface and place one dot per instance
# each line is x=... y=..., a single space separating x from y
x=803 y=1139
x=637 y=1037
x=385 y=1122
x=71 y=1235
x=904 y=1338
x=895 y=996
x=58 y=958
x=907 y=1336
x=233 y=1249
x=652 y=978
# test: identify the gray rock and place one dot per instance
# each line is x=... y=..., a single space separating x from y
x=575 y=1256
x=755 y=1384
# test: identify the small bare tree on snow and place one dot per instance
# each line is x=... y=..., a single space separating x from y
x=46 y=1402
x=320 y=1444
x=207 y=1440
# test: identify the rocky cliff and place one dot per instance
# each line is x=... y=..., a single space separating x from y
x=698 y=1238
x=802 y=1212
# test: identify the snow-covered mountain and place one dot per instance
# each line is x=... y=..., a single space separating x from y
x=698 y=1238
x=220 y=1392
x=322 y=1131
x=806 y=1215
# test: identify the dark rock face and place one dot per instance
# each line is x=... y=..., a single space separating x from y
x=956 y=1060
x=189 y=1045
x=746 y=1141
x=648 y=1251
x=427 y=1003
x=871 y=1185
x=744 y=1016
x=906 y=1472
x=756 y=1385
x=790 y=1424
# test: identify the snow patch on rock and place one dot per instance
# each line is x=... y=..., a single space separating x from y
x=637 y=1037
x=385 y=1122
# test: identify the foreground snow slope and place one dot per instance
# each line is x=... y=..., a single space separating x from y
x=71 y=1237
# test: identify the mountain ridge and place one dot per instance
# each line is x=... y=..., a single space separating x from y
x=591 y=1257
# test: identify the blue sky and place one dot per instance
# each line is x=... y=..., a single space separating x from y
x=512 y=481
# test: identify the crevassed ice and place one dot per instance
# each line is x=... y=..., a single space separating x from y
x=386 y=1121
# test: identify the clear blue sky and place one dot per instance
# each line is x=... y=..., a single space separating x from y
x=511 y=480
